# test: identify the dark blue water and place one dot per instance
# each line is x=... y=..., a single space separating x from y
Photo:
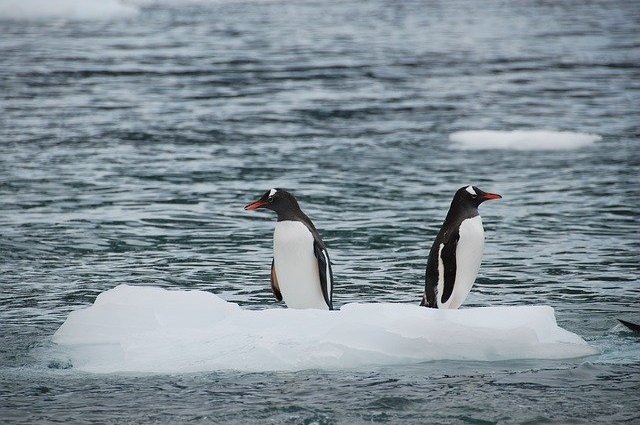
x=128 y=147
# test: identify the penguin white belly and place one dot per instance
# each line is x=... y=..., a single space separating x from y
x=468 y=258
x=296 y=266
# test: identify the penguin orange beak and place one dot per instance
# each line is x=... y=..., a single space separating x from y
x=255 y=205
x=490 y=196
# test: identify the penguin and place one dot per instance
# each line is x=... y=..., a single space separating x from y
x=301 y=269
x=455 y=256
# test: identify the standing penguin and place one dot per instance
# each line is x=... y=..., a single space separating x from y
x=301 y=269
x=455 y=256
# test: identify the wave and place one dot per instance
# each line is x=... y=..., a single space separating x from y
x=153 y=330
x=522 y=139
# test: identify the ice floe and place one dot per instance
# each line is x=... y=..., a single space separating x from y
x=522 y=139
x=149 y=329
x=66 y=9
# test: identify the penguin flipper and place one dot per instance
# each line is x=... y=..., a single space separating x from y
x=324 y=272
x=448 y=257
x=431 y=277
x=274 y=282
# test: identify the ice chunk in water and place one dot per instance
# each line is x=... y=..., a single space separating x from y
x=66 y=9
x=148 y=329
x=524 y=140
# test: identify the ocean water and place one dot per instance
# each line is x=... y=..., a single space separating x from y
x=131 y=136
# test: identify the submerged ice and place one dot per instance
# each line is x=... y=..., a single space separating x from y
x=522 y=139
x=149 y=329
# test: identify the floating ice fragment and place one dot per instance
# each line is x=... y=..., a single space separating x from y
x=147 y=329
x=66 y=9
x=522 y=139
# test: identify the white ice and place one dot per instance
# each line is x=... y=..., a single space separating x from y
x=149 y=329
x=524 y=140
x=66 y=9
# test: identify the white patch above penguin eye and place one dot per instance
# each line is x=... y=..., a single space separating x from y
x=272 y=192
x=471 y=191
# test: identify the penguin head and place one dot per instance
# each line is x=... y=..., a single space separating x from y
x=473 y=196
x=278 y=200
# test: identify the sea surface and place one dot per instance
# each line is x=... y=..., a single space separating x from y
x=129 y=145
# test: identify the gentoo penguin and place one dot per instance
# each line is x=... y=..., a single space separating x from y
x=455 y=256
x=301 y=268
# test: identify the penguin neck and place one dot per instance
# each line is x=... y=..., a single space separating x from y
x=288 y=216
x=458 y=212
x=296 y=215
x=291 y=213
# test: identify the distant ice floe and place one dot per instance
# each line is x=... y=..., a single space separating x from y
x=152 y=330
x=524 y=140
x=78 y=10
x=66 y=9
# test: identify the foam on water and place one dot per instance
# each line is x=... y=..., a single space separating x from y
x=522 y=139
x=148 y=329
x=66 y=9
